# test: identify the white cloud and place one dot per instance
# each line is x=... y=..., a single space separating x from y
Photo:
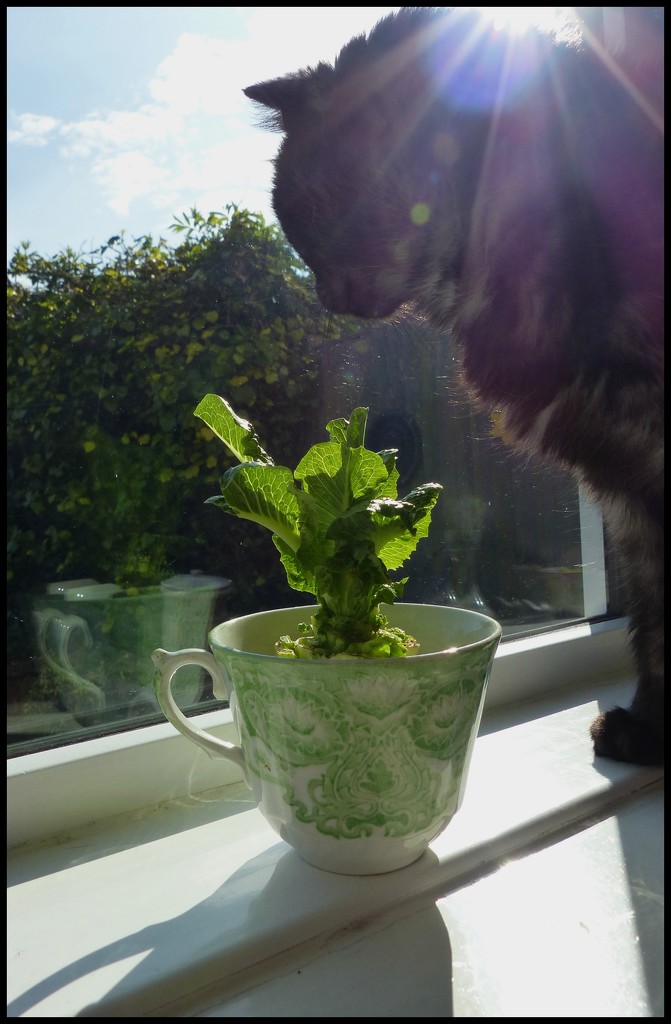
x=163 y=151
x=195 y=140
x=130 y=176
x=31 y=129
x=119 y=130
x=288 y=38
x=202 y=76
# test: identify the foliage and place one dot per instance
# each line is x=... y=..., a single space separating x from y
x=338 y=524
x=107 y=355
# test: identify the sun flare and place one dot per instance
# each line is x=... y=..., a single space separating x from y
x=517 y=20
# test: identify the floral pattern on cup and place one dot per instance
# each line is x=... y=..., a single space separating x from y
x=357 y=763
x=377 y=753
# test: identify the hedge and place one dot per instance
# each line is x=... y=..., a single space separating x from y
x=108 y=355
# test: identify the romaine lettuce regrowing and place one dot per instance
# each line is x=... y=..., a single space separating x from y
x=338 y=524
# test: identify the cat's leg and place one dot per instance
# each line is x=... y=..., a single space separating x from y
x=636 y=734
x=621 y=736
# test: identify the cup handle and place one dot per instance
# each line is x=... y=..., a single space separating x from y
x=78 y=695
x=167 y=663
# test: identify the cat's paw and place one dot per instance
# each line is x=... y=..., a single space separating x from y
x=619 y=735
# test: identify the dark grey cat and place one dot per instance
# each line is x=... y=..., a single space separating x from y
x=510 y=188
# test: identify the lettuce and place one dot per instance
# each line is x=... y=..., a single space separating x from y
x=338 y=524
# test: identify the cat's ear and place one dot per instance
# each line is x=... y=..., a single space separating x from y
x=294 y=97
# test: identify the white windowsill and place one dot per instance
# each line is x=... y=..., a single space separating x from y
x=196 y=908
x=56 y=790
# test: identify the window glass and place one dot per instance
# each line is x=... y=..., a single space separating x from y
x=130 y=300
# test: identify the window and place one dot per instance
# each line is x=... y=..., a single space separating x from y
x=131 y=299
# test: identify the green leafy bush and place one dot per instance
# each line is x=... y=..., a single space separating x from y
x=107 y=356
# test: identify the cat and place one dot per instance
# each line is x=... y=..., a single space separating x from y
x=509 y=189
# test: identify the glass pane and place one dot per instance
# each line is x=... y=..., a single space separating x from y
x=112 y=551
x=505 y=538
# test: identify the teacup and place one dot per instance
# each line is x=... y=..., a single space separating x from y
x=357 y=763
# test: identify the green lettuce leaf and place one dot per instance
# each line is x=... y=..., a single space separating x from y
x=336 y=521
x=237 y=434
x=265 y=494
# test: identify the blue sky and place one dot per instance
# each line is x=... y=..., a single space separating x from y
x=120 y=118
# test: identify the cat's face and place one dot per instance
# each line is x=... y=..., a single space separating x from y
x=349 y=218
x=362 y=184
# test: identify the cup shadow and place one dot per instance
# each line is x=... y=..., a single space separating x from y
x=237 y=909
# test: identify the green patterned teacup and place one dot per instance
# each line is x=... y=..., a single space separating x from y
x=357 y=763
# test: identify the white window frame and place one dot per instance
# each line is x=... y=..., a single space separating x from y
x=53 y=791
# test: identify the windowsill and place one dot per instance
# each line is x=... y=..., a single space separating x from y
x=55 y=791
x=196 y=908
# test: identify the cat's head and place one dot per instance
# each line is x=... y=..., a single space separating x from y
x=369 y=175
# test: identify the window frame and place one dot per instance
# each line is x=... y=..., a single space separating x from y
x=55 y=790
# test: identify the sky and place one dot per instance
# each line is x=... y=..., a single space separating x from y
x=121 y=118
